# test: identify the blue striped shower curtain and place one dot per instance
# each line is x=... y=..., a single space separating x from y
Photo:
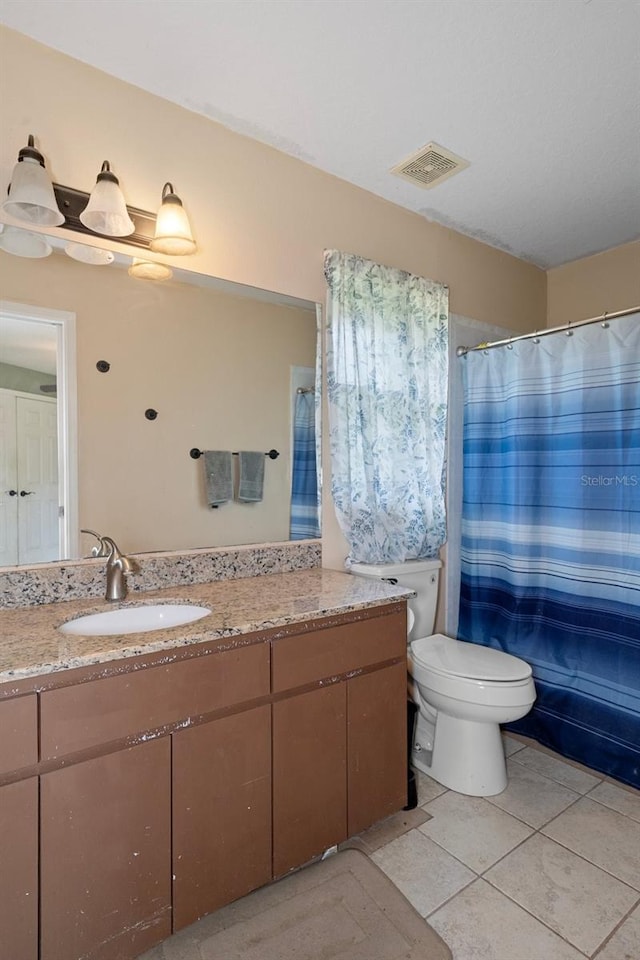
x=304 y=478
x=550 y=567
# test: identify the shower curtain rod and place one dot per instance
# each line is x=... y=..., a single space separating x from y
x=462 y=351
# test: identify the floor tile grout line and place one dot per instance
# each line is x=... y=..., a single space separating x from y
x=513 y=849
x=535 y=831
x=567 y=761
x=546 y=822
x=556 y=932
x=578 y=796
x=448 y=852
x=524 y=823
x=559 y=783
x=609 y=807
x=601 y=778
x=449 y=899
x=482 y=876
x=625 y=787
x=516 y=904
x=593 y=863
x=615 y=929
x=570 y=762
x=575 y=764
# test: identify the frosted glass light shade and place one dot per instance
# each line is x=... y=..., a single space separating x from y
x=31 y=195
x=24 y=244
x=106 y=211
x=173 y=232
x=86 y=254
x=149 y=270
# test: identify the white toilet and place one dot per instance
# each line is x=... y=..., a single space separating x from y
x=464 y=690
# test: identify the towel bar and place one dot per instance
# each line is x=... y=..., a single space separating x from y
x=195 y=454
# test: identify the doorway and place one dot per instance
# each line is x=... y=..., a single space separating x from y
x=38 y=472
x=29 y=522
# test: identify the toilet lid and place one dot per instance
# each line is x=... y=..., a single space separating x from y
x=460 y=659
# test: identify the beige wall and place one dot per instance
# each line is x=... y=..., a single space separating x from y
x=216 y=367
x=586 y=288
x=260 y=217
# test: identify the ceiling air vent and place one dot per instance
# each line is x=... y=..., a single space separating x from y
x=430 y=166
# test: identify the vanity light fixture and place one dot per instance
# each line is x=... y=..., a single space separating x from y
x=106 y=212
x=31 y=195
x=34 y=199
x=86 y=254
x=149 y=270
x=173 y=232
x=21 y=243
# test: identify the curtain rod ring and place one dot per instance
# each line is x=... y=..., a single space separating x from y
x=604 y=324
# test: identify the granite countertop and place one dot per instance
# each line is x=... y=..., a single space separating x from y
x=31 y=645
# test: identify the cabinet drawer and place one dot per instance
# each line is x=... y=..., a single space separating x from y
x=18 y=733
x=83 y=716
x=301 y=659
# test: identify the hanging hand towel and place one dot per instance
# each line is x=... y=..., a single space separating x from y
x=251 y=476
x=218 y=475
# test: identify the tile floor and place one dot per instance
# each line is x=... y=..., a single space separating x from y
x=547 y=870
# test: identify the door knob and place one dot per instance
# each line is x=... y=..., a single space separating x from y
x=12 y=493
x=26 y=493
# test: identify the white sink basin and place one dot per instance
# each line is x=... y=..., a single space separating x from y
x=157 y=616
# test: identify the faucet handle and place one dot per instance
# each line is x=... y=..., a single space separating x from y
x=129 y=564
x=102 y=550
x=117 y=557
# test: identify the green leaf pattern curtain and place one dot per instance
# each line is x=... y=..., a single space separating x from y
x=387 y=369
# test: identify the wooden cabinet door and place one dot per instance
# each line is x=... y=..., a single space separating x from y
x=221 y=812
x=19 y=870
x=309 y=775
x=105 y=855
x=377 y=746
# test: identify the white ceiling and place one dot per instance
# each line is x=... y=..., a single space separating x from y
x=29 y=344
x=541 y=96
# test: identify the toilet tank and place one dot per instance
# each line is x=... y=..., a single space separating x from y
x=419 y=575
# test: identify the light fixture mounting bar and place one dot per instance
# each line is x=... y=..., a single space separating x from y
x=72 y=202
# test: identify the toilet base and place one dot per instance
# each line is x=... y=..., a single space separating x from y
x=467 y=756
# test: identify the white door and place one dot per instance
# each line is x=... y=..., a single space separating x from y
x=8 y=481
x=37 y=430
x=30 y=488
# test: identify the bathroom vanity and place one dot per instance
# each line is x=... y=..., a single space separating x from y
x=150 y=779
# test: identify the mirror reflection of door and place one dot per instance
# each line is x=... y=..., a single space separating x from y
x=32 y=481
x=29 y=526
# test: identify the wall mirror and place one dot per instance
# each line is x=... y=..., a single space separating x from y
x=160 y=368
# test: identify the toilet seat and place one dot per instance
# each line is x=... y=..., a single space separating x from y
x=469 y=673
x=468 y=661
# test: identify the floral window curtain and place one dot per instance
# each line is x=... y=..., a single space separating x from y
x=387 y=366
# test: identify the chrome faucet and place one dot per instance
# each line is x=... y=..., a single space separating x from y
x=117 y=565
